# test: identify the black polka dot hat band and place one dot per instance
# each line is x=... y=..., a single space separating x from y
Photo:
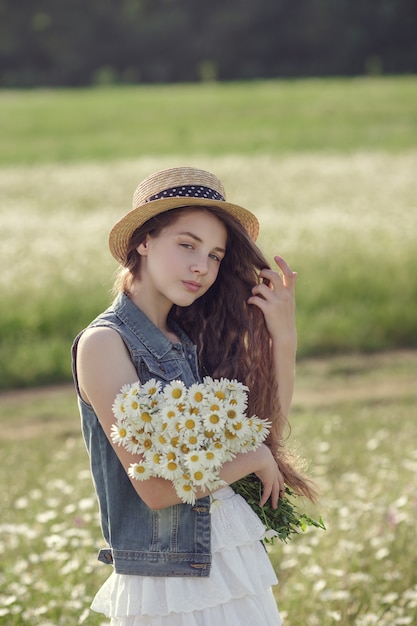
x=170 y=189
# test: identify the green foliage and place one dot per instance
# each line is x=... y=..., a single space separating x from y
x=73 y=43
x=273 y=117
x=284 y=521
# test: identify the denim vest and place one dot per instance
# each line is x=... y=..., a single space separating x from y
x=174 y=541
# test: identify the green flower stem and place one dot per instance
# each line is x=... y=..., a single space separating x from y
x=286 y=520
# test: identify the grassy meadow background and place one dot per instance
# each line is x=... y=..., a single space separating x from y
x=329 y=166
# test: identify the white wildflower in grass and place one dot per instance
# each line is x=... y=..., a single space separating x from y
x=185 y=435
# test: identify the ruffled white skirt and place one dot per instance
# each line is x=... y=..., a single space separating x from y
x=237 y=592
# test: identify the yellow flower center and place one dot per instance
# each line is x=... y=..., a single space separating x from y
x=176 y=393
x=186 y=487
x=231 y=414
x=193 y=440
x=220 y=395
x=214 y=419
x=171 y=456
x=140 y=469
x=237 y=426
x=198 y=475
x=190 y=424
x=194 y=458
x=198 y=396
x=146 y=417
x=156 y=459
x=147 y=444
x=172 y=466
x=122 y=432
x=209 y=456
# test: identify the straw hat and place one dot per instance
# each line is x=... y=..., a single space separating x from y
x=170 y=189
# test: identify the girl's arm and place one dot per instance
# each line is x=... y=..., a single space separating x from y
x=103 y=367
x=277 y=303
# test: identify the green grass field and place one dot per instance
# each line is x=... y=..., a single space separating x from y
x=328 y=166
x=353 y=419
x=259 y=117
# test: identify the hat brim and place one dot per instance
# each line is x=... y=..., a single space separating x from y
x=122 y=231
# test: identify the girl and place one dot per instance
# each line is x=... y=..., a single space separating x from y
x=195 y=297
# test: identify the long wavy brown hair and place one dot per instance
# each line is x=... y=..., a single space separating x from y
x=231 y=335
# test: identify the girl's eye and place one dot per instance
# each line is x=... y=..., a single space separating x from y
x=189 y=246
x=215 y=258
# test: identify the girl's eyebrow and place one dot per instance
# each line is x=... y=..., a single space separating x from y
x=197 y=238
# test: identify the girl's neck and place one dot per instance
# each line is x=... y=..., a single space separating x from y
x=157 y=312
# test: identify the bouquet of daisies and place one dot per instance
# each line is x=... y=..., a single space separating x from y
x=185 y=434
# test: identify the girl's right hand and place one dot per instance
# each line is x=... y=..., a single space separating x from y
x=270 y=476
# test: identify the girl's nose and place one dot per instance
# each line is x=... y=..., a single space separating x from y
x=200 y=265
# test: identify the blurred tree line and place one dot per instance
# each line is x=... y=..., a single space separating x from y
x=82 y=42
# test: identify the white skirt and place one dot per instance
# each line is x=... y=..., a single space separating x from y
x=237 y=592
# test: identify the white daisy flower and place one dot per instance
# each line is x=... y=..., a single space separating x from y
x=139 y=471
x=214 y=420
x=175 y=391
x=184 y=489
x=201 y=476
x=169 y=466
x=119 y=407
x=212 y=458
x=194 y=459
x=133 y=406
x=189 y=424
x=126 y=390
x=192 y=440
x=259 y=428
x=196 y=395
x=151 y=388
x=119 y=433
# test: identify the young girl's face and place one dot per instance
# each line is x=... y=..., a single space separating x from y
x=182 y=262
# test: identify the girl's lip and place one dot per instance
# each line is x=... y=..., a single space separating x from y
x=191 y=285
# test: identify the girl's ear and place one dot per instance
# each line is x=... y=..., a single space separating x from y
x=143 y=247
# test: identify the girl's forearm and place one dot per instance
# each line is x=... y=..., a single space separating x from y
x=159 y=493
x=284 y=359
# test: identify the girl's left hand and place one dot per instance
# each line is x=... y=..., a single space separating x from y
x=276 y=299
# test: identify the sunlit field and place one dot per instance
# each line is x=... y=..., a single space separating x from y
x=346 y=223
x=329 y=167
x=354 y=419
